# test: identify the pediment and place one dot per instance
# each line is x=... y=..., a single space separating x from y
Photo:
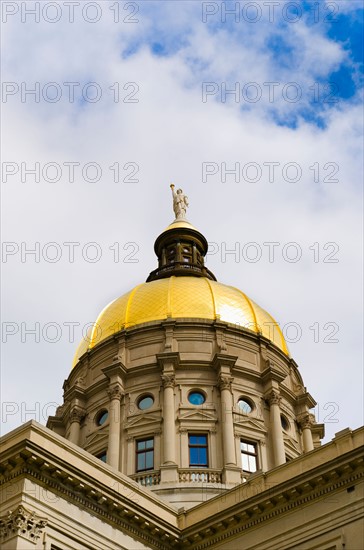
x=197 y=416
x=143 y=420
x=290 y=442
x=253 y=423
x=249 y=421
x=96 y=437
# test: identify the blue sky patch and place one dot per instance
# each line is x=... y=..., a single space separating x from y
x=281 y=52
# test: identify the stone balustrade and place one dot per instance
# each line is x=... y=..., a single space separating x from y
x=147 y=479
x=188 y=475
x=199 y=475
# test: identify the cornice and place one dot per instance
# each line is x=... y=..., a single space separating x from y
x=249 y=374
x=97 y=387
x=168 y=359
x=80 y=489
x=306 y=399
x=116 y=370
x=290 y=396
x=74 y=392
x=224 y=360
x=42 y=441
x=196 y=324
x=271 y=503
x=318 y=429
x=186 y=364
x=270 y=346
x=271 y=373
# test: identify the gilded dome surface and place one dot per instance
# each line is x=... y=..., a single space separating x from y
x=182 y=297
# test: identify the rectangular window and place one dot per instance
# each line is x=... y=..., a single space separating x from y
x=249 y=456
x=197 y=445
x=102 y=456
x=145 y=454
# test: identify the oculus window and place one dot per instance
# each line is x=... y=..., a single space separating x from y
x=101 y=417
x=145 y=402
x=284 y=423
x=196 y=398
x=245 y=405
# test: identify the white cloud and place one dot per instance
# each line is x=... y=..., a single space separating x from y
x=170 y=133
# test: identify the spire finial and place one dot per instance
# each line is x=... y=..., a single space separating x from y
x=181 y=248
x=180 y=203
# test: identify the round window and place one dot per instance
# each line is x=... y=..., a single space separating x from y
x=101 y=417
x=145 y=402
x=284 y=423
x=196 y=398
x=245 y=405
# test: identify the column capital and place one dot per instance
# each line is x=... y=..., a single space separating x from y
x=115 y=391
x=22 y=522
x=306 y=421
x=77 y=414
x=274 y=398
x=168 y=380
x=224 y=382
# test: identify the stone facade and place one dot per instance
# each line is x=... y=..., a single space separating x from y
x=56 y=496
x=166 y=361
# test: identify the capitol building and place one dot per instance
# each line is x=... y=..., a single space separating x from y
x=186 y=424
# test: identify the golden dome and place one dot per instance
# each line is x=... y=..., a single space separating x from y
x=182 y=297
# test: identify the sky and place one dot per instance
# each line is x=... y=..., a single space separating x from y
x=254 y=109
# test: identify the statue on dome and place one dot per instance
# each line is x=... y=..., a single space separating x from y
x=180 y=203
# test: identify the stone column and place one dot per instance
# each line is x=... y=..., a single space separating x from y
x=305 y=423
x=227 y=423
x=76 y=416
x=169 y=432
x=168 y=362
x=279 y=455
x=223 y=363
x=169 y=468
x=306 y=420
x=113 y=452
